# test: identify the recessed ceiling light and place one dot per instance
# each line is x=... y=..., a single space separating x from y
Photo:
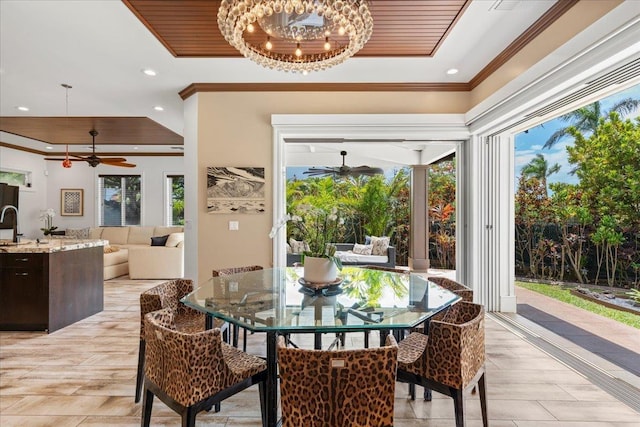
x=135 y=148
x=452 y=71
x=48 y=147
x=158 y=108
x=22 y=108
x=149 y=72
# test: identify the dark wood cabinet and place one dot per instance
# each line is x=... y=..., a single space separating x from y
x=48 y=291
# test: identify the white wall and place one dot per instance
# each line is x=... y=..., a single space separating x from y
x=50 y=177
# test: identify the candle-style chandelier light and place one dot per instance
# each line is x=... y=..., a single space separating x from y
x=296 y=35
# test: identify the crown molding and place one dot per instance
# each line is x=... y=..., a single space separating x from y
x=323 y=87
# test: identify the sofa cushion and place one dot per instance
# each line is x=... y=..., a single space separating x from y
x=353 y=258
x=140 y=235
x=174 y=239
x=95 y=232
x=161 y=231
x=380 y=245
x=298 y=246
x=115 y=258
x=362 y=249
x=159 y=240
x=116 y=235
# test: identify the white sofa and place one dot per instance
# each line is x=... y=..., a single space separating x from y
x=130 y=252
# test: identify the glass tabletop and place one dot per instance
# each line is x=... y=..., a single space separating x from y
x=275 y=299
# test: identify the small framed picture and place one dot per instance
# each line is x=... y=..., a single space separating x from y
x=71 y=202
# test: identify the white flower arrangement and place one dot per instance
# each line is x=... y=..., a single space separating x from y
x=47 y=216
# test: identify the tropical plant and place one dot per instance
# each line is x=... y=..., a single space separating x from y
x=573 y=218
x=319 y=228
x=585 y=119
x=607 y=240
x=539 y=168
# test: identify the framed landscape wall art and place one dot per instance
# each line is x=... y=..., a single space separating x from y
x=71 y=202
x=235 y=190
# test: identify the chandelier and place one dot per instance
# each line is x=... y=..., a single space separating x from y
x=296 y=35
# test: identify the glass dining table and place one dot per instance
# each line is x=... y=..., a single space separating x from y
x=278 y=302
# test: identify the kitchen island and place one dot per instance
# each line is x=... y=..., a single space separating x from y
x=47 y=286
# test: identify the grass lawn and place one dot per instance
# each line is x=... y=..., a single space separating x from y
x=564 y=295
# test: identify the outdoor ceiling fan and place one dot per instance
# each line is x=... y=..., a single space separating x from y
x=93 y=160
x=344 y=170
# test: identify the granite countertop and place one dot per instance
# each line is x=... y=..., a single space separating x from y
x=49 y=245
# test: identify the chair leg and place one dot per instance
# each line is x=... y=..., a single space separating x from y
x=140 y=373
x=244 y=340
x=263 y=402
x=458 y=404
x=189 y=417
x=147 y=406
x=483 y=401
x=235 y=335
x=427 y=395
x=412 y=391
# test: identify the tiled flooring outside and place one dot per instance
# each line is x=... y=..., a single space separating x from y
x=85 y=373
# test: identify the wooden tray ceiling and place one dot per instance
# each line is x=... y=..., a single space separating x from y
x=189 y=28
x=75 y=130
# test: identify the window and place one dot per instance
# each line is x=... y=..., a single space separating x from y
x=15 y=177
x=120 y=200
x=175 y=200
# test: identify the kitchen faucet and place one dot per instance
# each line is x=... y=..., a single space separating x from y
x=15 y=226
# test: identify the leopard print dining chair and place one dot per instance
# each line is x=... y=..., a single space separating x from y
x=450 y=359
x=457 y=288
x=168 y=295
x=320 y=388
x=193 y=371
x=236 y=270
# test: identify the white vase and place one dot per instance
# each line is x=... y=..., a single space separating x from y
x=319 y=270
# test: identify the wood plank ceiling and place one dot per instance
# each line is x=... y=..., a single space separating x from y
x=75 y=130
x=189 y=28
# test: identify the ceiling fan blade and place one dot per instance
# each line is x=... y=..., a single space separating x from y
x=320 y=171
x=366 y=170
x=122 y=164
x=112 y=159
x=73 y=160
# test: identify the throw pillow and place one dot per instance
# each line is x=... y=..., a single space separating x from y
x=108 y=249
x=174 y=239
x=362 y=249
x=298 y=246
x=380 y=245
x=159 y=240
x=77 y=233
x=367 y=240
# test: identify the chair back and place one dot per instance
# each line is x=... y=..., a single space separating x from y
x=455 y=347
x=165 y=295
x=340 y=387
x=235 y=270
x=188 y=367
x=391 y=269
x=457 y=288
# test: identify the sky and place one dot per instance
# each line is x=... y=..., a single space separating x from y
x=527 y=145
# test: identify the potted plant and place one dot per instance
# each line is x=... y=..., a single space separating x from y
x=319 y=229
x=47 y=217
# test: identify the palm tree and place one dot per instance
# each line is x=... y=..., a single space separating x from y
x=586 y=119
x=539 y=168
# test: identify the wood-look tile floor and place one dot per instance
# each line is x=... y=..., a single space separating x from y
x=84 y=375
